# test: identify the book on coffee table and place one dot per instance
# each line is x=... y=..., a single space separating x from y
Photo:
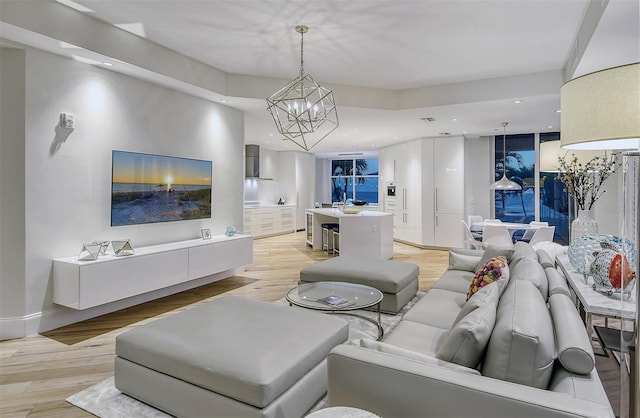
x=336 y=301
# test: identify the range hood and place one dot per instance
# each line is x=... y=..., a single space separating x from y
x=252 y=161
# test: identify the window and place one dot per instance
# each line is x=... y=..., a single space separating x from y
x=519 y=206
x=554 y=199
x=354 y=180
x=516 y=206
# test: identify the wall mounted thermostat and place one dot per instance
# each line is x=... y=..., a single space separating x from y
x=67 y=120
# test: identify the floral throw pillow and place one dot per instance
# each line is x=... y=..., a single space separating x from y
x=488 y=273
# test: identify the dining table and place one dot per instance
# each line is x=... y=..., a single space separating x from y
x=512 y=227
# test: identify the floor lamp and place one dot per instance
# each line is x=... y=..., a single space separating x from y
x=601 y=111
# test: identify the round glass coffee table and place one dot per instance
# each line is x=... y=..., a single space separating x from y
x=338 y=298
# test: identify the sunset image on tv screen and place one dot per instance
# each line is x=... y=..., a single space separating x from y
x=149 y=188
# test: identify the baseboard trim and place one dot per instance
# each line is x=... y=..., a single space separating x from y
x=60 y=316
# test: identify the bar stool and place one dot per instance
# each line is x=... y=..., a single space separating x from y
x=327 y=242
x=336 y=240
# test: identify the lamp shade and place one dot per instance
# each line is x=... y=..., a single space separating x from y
x=550 y=151
x=601 y=110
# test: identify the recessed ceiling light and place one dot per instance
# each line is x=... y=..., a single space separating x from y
x=550 y=126
x=517 y=101
x=135 y=28
x=107 y=64
x=224 y=101
x=67 y=45
x=558 y=111
x=75 y=5
x=454 y=119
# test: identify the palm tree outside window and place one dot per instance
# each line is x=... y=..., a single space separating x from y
x=354 y=179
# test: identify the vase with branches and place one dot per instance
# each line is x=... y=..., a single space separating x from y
x=584 y=181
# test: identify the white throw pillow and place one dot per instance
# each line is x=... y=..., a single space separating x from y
x=464 y=262
x=488 y=294
x=466 y=341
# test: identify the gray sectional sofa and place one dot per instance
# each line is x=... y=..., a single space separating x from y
x=517 y=348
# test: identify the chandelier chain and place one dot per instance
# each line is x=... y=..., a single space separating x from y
x=301 y=53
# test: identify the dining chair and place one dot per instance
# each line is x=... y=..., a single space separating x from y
x=544 y=233
x=497 y=235
x=471 y=239
x=528 y=234
x=477 y=220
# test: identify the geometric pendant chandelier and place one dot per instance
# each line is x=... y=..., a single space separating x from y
x=504 y=183
x=304 y=112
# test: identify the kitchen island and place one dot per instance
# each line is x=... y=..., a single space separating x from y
x=366 y=234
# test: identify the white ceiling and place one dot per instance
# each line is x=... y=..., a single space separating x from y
x=445 y=54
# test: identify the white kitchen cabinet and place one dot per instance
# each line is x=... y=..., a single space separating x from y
x=264 y=221
x=429 y=202
x=297 y=179
x=448 y=175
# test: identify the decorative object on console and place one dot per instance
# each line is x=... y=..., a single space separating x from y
x=584 y=224
x=581 y=250
x=104 y=245
x=230 y=231
x=122 y=248
x=504 y=183
x=491 y=271
x=611 y=271
x=206 y=233
x=583 y=180
x=155 y=188
x=304 y=112
x=90 y=251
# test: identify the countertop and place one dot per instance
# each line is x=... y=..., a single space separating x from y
x=337 y=213
x=268 y=206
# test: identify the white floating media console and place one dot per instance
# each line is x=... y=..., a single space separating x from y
x=85 y=284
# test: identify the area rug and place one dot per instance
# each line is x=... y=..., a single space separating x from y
x=105 y=401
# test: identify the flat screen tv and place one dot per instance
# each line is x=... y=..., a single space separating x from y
x=149 y=188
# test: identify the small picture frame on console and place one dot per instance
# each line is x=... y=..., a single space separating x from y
x=206 y=233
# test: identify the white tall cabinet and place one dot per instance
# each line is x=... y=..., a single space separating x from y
x=429 y=201
x=297 y=178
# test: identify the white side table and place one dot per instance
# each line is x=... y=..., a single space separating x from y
x=341 y=412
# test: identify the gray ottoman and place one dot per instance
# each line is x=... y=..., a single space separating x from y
x=397 y=280
x=231 y=357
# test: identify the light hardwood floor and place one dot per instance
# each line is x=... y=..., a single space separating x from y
x=39 y=372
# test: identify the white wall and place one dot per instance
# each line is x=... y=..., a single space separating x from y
x=68 y=174
x=12 y=234
x=477 y=176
